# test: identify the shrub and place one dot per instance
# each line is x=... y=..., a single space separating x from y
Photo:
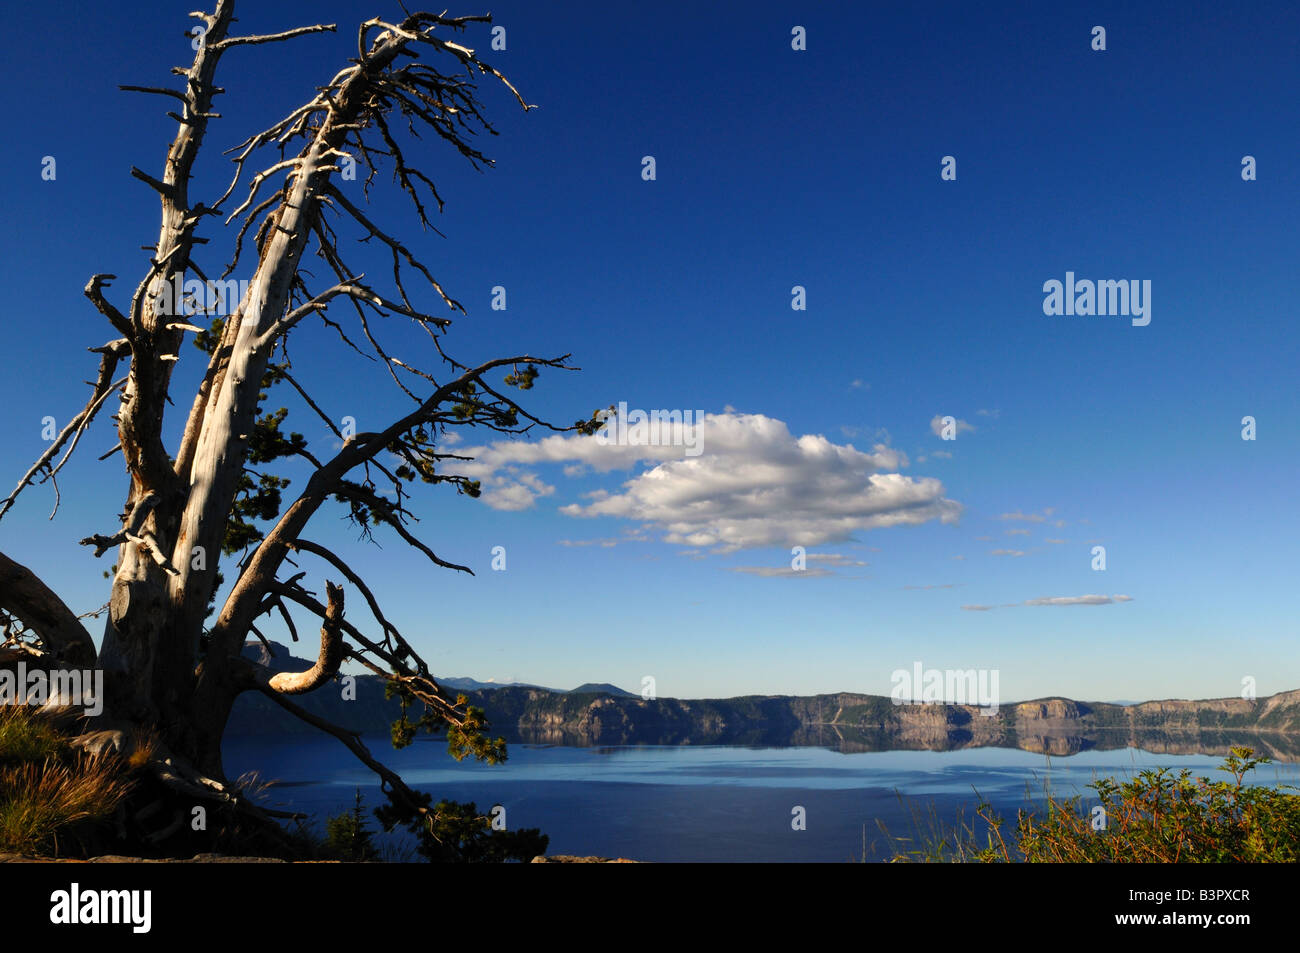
x=1157 y=817
x=1162 y=818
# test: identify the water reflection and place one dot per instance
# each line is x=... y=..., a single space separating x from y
x=1214 y=742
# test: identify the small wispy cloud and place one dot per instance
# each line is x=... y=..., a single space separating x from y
x=1023 y=517
x=958 y=426
x=1089 y=600
x=779 y=572
x=1006 y=552
x=834 y=559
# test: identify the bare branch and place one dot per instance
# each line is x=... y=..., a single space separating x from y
x=112 y=353
x=22 y=594
x=329 y=659
x=259 y=575
x=309 y=547
x=275 y=37
x=389 y=781
x=288 y=619
x=116 y=318
x=134 y=532
x=162 y=188
x=391 y=514
x=157 y=90
x=261 y=177
x=312 y=404
x=353 y=289
x=399 y=250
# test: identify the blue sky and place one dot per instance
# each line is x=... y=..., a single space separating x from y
x=774 y=168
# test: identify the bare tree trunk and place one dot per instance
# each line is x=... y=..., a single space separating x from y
x=165 y=672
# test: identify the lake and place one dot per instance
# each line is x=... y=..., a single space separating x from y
x=705 y=803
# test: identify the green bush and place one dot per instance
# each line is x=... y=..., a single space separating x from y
x=1162 y=818
x=1157 y=817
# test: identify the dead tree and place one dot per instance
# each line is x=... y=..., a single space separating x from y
x=172 y=658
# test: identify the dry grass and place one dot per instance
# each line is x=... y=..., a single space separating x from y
x=47 y=787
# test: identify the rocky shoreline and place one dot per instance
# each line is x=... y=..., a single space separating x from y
x=848 y=721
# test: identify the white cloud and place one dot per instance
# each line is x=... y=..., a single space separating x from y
x=753 y=484
x=1006 y=552
x=517 y=490
x=1017 y=532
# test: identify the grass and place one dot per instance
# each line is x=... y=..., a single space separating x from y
x=48 y=788
x=24 y=738
x=933 y=840
x=56 y=800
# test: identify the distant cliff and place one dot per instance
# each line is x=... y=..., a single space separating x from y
x=846 y=721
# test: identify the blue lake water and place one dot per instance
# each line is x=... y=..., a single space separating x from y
x=706 y=803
